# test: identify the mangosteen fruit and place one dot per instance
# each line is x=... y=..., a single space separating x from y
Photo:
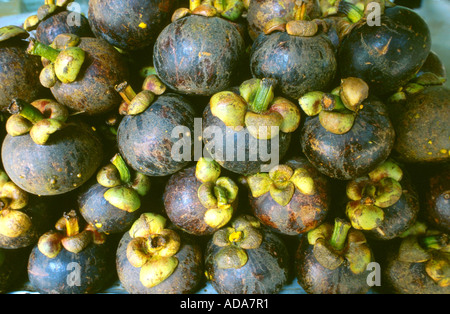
x=23 y=217
x=113 y=202
x=155 y=135
x=46 y=152
x=384 y=203
x=246 y=130
x=244 y=258
x=200 y=52
x=153 y=258
x=292 y=198
x=420 y=115
x=81 y=72
x=437 y=198
x=71 y=259
x=347 y=132
x=199 y=200
x=260 y=12
x=19 y=72
x=54 y=18
x=419 y=264
x=385 y=55
x=333 y=259
x=129 y=25
x=297 y=53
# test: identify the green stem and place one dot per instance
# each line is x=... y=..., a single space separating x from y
x=126 y=91
x=435 y=242
x=26 y=110
x=72 y=224
x=263 y=97
x=299 y=11
x=38 y=49
x=353 y=13
x=340 y=231
x=124 y=171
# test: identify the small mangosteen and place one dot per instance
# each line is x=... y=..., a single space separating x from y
x=54 y=18
x=19 y=72
x=333 y=260
x=250 y=128
x=244 y=258
x=297 y=53
x=23 y=217
x=113 y=202
x=384 y=203
x=292 y=198
x=201 y=52
x=437 y=198
x=419 y=264
x=82 y=72
x=71 y=259
x=347 y=132
x=155 y=259
x=260 y=12
x=420 y=112
x=199 y=200
x=129 y=25
x=47 y=153
x=385 y=55
x=155 y=135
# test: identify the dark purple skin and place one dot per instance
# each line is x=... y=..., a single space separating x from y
x=266 y=271
x=52 y=275
x=187 y=277
x=38 y=210
x=56 y=24
x=316 y=279
x=118 y=22
x=93 y=91
x=145 y=140
x=355 y=153
x=19 y=73
x=303 y=213
x=437 y=199
x=300 y=64
x=69 y=159
x=231 y=158
x=103 y=216
x=182 y=205
x=386 y=56
x=199 y=55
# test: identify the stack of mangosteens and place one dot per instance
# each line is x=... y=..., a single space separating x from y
x=248 y=145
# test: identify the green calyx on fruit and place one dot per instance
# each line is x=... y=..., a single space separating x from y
x=49 y=8
x=370 y=194
x=68 y=235
x=125 y=189
x=431 y=248
x=13 y=222
x=228 y=9
x=12 y=31
x=152 y=248
x=67 y=61
x=281 y=182
x=41 y=119
x=335 y=244
x=257 y=109
x=337 y=110
x=133 y=103
x=216 y=193
x=244 y=234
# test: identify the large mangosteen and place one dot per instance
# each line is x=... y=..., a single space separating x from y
x=199 y=200
x=47 y=153
x=200 y=52
x=347 y=132
x=19 y=72
x=292 y=198
x=245 y=258
x=154 y=259
x=249 y=129
x=297 y=53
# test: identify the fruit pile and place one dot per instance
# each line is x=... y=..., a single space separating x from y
x=169 y=144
